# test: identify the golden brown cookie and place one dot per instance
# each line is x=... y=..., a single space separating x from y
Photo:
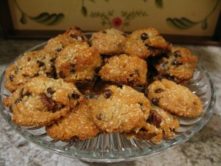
x=164 y=121
x=146 y=42
x=150 y=132
x=124 y=69
x=30 y=65
x=77 y=124
x=120 y=109
x=108 y=41
x=77 y=62
x=42 y=100
x=59 y=42
x=175 y=98
x=179 y=65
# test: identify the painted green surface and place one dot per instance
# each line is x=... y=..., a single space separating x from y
x=45 y=18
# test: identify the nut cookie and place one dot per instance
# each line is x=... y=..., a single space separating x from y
x=146 y=42
x=42 y=100
x=77 y=124
x=109 y=41
x=120 y=109
x=59 y=42
x=77 y=62
x=175 y=98
x=30 y=65
x=164 y=121
x=124 y=69
x=178 y=65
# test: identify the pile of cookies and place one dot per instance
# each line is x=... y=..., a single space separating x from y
x=79 y=86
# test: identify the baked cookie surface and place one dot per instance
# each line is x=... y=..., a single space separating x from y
x=164 y=121
x=179 y=65
x=77 y=124
x=42 y=100
x=30 y=65
x=109 y=41
x=120 y=109
x=124 y=69
x=59 y=42
x=77 y=62
x=175 y=98
x=145 y=42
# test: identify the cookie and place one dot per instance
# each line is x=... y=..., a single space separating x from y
x=109 y=41
x=175 y=98
x=150 y=132
x=146 y=42
x=179 y=65
x=164 y=121
x=59 y=42
x=124 y=69
x=77 y=62
x=42 y=100
x=30 y=65
x=77 y=124
x=120 y=109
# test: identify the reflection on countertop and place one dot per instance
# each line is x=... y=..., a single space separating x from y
x=204 y=148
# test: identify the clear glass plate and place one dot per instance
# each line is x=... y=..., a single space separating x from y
x=117 y=147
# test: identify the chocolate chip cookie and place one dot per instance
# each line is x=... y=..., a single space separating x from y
x=175 y=98
x=108 y=41
x=124 y=69
x=59 y=42
x=179 y=65
x=146 y=42
x=120 y=109
x=30 y=65
x=77 y=124
x=77 y=62
x=42 y=100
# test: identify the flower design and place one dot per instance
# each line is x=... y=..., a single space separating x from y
x=117 y=22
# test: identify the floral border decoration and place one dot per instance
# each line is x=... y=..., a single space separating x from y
x=42 y=18
x=118 y=21
x=183 y=23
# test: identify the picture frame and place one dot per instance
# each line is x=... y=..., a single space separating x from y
x=9 y=31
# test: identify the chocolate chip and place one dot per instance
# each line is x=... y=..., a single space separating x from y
x=155 y=119
x=99 y=116
x=52 y=60
x=169 y=77
x=57 y=107
x=18 y=100
x=61 y=74
x=11 y=77
x=75 y=96
x=177 y=54
x=141 y=106
x=50 y=90
x=158 y=90
x=107 y=93
x=155 y=101
x=36 y=74
x=52 y=73
x=58 y=49
x=40 y=63
x=176 y=63
x=144 y=36
x=72 y=68
x=48 y=102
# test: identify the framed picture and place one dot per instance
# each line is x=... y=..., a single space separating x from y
x=188 y=21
